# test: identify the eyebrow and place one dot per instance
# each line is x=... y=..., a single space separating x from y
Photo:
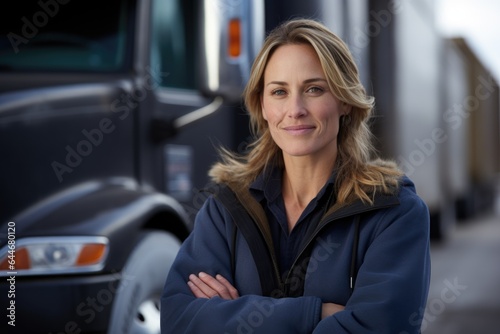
x=283 y=83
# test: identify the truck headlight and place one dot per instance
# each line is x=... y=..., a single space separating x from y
x=53 y=255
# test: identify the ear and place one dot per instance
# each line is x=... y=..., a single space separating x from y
x=346 y=108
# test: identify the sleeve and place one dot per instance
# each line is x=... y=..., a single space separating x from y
x=392 y=285
x=206 y=249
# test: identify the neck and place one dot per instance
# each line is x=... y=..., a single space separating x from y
x=304 y=177
x=302 y=186
x=301 y=183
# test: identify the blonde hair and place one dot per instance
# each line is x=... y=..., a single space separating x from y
x=358 y=177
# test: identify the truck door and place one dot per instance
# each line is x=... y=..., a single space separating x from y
x=185 y=49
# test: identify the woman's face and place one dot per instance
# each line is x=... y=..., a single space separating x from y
x=301 y=111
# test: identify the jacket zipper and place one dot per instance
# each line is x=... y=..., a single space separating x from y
x=322 y=224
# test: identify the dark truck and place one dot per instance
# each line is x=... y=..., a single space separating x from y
x=104 y=145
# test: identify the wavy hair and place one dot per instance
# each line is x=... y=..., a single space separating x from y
x=359 y=175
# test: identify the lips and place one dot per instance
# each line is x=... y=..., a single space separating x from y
x=298 y=129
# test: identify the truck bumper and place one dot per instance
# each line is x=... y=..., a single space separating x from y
x=80 y=304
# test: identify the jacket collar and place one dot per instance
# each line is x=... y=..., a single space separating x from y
x=268 y=185
x=380 y=201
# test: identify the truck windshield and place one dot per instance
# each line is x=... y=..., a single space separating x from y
x=174 y=24
x=64 y=35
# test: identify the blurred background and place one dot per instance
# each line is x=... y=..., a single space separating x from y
x=93 y=93
x=469 y=256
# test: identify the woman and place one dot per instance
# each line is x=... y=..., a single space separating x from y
x=306 y=233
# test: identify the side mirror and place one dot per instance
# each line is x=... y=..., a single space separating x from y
x=231 y=33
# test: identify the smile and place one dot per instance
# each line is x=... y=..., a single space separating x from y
x=298 y=129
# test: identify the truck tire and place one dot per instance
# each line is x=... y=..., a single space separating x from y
x=136 y=308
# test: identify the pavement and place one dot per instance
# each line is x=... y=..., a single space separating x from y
x=464 y=296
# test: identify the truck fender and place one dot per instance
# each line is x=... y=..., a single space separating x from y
x=117 y=208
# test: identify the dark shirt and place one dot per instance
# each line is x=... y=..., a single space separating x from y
x=266 y=189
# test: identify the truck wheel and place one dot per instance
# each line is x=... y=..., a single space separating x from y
x=136 y=308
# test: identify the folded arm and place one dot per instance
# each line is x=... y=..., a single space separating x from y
x=216 y=307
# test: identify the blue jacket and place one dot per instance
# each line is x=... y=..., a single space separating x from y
x=389 y=296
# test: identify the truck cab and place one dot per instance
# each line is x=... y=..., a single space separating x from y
x=110 y=116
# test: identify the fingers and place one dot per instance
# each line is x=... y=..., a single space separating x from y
x=206 y=286
x=195 y=290
x=199 y=288
x=329 y=309
x=230 y=288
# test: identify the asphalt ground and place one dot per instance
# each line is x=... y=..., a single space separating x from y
x=464 y=296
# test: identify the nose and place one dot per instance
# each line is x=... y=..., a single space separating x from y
x=296 y=107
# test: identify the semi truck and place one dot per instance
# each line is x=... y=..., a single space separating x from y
x=106 y=136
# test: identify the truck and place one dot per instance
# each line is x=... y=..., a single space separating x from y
x=110 y=115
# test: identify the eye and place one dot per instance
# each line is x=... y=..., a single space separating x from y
x=278 y=92
x=315 y=90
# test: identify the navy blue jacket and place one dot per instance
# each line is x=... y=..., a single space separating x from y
x=389 y=296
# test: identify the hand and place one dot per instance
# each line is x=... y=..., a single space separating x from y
x=329 y=309
x=206 y=286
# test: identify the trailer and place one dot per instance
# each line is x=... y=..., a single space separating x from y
x=437 y=112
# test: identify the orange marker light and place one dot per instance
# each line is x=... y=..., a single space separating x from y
x=91 y=254
x=20 y=261
x=234 y=31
